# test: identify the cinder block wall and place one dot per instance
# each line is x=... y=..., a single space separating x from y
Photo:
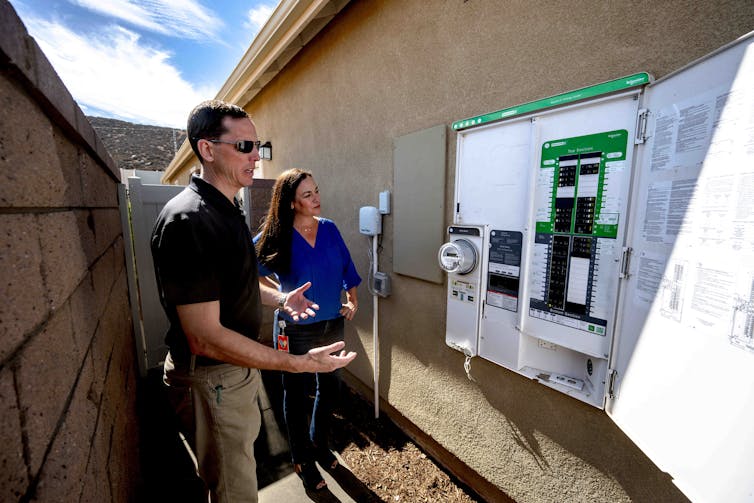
x=260 y=194
x=67 y=372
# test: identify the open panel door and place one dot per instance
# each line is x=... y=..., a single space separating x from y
x=684 y=388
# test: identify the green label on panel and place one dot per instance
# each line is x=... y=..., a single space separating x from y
x=620 y=84
x=577 y=189
x=580 y=197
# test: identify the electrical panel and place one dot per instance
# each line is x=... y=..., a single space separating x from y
x=615 y=258
x=549 y=193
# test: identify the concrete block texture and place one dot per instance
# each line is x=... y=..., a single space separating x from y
x=65 y=467
x=260 y=194
x=71 y=242
x=84 y=320
x=64 y=243
x=104 y=284
x=107 y=229
x=119 y=255
x=45 y=376
x=49 y=84
x=102 y=350
x=111 y=316
x=96 y=486
x=25 y=300
x=68 y=154
x=34 y=71
x=13 y=473
x=101 y=444
x=121 y=483
x=34 y=170
x=98 y=186
x=67 y=378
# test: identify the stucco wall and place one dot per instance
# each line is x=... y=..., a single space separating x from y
x=385 y=68
x=67 y=371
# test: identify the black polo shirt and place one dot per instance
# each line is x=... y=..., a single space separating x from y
x=203 y=251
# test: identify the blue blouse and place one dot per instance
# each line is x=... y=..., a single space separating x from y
x=327 y=265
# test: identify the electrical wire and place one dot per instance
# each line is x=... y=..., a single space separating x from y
x=370 y=275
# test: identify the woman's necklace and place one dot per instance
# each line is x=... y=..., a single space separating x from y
x=306 y=228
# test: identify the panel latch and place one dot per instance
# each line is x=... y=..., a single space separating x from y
x=613 y=374
x=641 y=126
x=625 y=262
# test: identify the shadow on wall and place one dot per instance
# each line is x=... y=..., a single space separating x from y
x=355 y=343
x=576 y=427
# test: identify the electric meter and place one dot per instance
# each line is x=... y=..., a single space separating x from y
x=462 y=257
x=457 y=257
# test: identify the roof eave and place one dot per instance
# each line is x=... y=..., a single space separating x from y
x=291 y=26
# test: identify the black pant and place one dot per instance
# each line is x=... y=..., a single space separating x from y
x=309 y=423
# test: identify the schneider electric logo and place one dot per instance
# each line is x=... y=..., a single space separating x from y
x=637 y=80
x=614 y=135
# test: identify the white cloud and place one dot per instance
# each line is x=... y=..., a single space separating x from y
x=113 y=73
x=256 y=18
x=178 y=18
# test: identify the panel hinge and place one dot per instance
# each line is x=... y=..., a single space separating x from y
x=612 y=375
x=625 y=262
x=641 y=126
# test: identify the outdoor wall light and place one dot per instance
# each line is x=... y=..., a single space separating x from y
x=265 y=151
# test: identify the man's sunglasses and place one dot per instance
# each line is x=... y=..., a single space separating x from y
x=243 y=146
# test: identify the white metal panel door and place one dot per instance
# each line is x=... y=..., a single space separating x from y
x=685 y=355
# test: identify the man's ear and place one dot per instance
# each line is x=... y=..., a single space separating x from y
x=205 y=148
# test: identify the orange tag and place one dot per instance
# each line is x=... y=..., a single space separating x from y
x=282 y=342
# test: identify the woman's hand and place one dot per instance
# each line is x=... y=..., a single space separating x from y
x=297 y=306
x=348 y=310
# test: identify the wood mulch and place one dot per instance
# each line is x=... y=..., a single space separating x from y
x=384 y=459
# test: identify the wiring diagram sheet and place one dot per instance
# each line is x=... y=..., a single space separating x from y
x=687 y=310
x=696 y=260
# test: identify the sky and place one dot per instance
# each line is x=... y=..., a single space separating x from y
x=143 y=61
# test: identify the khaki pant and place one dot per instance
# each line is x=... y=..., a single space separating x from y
x=219 y=415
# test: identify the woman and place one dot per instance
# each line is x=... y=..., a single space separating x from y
x=299 y=246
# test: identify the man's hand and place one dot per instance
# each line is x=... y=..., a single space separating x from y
x=320 y=359
x=296 y=305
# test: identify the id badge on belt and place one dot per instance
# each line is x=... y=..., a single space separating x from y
x=282 y=344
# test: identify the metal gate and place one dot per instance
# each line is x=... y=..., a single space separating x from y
x=140 y=204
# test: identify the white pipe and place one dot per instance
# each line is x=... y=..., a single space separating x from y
x=375 y=334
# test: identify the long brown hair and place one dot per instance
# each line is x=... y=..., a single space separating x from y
x=274 y=245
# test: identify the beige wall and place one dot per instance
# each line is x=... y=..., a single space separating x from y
x=67 y=372
x=385 y=68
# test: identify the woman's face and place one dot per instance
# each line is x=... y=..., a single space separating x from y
x=306 y=202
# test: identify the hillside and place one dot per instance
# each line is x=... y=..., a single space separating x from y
x=138 y=146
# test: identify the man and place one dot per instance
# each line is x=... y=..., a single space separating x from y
x=206 y=270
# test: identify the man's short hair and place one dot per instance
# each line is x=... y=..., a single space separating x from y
x=206 y=121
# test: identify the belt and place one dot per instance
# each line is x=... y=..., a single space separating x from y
x=199 y=361
x=203 y=361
